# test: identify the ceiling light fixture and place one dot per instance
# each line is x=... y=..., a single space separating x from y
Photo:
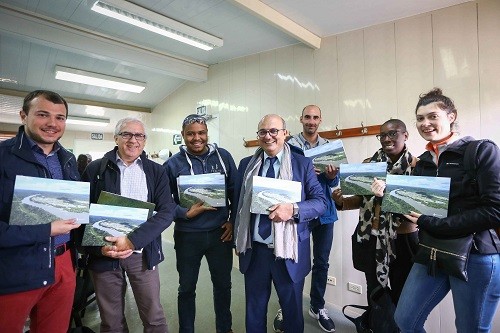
x=86 y=121
x=100 y=80
x=154 y=22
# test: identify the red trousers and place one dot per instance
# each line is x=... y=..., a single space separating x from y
x=49 y=308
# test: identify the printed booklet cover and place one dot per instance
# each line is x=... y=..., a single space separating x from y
x=421 y=194
x=108 y=198
x=330 y=153
x=43 y=200
x=356 y=178
x=209 y=188
x=107 y=220
x=267 y=192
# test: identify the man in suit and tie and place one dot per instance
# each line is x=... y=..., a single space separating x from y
x=275 y=248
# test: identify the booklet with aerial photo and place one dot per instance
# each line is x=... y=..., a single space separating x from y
x=267 y=192
x=329 y=153
x=108 y=198
x=421 y=194
x=43 y=200
x=356 y=178
x=209 y=188
x=108 y=220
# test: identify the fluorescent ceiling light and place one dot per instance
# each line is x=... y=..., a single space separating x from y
x=146 y=19
x=86 y=121
x=100 y=80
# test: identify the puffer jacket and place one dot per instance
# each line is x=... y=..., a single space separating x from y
x=26 y=252
x=472 y=208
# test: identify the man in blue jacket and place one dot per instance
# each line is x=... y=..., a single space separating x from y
x=127 y=171
x=275 y=247
x=37 y=272
x=203 y=231
x=322 y=227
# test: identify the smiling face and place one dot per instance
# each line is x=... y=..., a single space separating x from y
x=272 y=145
x=196 y=138
x=392 y=139
x=130 y=149
x=433 y=123
x=45 y=122
x=310 y=119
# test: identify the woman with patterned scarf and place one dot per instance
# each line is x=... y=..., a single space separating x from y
x=388 y=241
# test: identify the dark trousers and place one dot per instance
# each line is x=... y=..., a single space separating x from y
x=322 y=236
x=190 y=247
x=265 y=268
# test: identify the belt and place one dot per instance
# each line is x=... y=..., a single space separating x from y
x=61 y=249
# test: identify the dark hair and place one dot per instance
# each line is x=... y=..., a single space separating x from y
x=48 y=95
x=442 y=102
x=82 y=161
x=399 y=123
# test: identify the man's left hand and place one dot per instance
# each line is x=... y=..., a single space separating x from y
x=227 y=236
x=281 y=212
x=331 y=171
x=121 y=243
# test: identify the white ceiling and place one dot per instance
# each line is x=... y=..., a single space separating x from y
x=37 y=35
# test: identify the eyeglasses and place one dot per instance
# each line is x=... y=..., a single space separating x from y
x=137 y=136
x=391 y=134
x=193 y=119
x=272 y=132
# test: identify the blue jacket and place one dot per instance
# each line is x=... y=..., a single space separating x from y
x=148 y=235
x=178 y=165
x=26 y=252
x=312 y=205
x=330 y=214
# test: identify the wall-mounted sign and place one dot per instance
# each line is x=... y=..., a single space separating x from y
x=177 y=139
x=201 y=110
x=96 y=136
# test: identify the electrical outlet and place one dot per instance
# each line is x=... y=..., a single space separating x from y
x=355 y=288
x=331 y=280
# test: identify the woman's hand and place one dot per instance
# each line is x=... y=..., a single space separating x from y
x=378 y=187
x=337 y=197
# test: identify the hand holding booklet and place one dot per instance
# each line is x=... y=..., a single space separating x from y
x=324 y=155
x=267 y=192
x=356 y=178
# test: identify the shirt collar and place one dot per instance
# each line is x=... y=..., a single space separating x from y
x=120 y=161
x=279 y=156
x=35 y=147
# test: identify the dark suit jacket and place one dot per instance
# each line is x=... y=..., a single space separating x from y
x=312 y=205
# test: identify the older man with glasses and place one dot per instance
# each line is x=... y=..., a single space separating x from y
x=127 y=171
x=202 y=231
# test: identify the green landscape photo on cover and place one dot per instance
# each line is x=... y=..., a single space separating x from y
x=43 y=200
x=324 y=155
x=356 y=178
x=209 y=188
x=421 y=194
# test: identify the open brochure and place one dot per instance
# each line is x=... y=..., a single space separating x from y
x=44 y=200
x=356 y=178
x=421 y=194
x=108 y=220
x=329 y=153
x=267 y=192
x=209 y=188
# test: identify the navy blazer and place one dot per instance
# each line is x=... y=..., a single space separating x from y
x=313 y=205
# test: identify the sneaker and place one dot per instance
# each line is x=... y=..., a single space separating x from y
x=324 y=321
x=278 y=322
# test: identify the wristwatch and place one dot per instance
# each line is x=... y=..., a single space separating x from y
x=295 y=210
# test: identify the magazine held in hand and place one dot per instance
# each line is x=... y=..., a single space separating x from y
x=209 y=188
x=44 y=200
x=324 y=155
x=115 y=215
x=267 y=192
x=356 y=178
x=420 y=194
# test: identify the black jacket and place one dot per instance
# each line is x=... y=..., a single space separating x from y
x=472 y=208
x=148 y=235
x=26 y=252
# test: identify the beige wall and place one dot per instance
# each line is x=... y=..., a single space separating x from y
x=368 y=76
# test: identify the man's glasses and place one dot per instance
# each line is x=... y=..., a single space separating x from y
x=391 y=135
x=193 y=119
x=272 y=132
x=137 y=136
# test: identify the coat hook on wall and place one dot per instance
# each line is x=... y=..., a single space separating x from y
x=337 y=131
x=364 y=130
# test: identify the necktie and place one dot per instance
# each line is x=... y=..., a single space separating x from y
x=265 y=222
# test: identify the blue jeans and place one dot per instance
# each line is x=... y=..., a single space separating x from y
x=190 y=247
x=475 y=302
x=322 y=236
